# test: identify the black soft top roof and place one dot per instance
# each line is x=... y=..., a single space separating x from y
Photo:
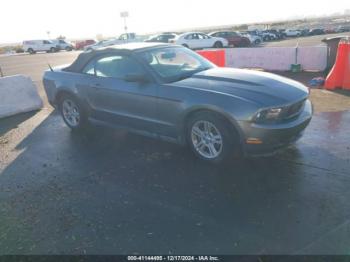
x=85 y=57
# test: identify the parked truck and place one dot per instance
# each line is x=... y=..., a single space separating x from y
x=122 y=39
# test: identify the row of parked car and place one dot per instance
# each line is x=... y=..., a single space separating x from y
x=193 y=40
x=218 y=39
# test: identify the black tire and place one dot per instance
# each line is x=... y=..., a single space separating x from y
x=31 y=51
x=52 y=50
x=245 y=43
x=184 y=45
x=218 y=44
x=257 y=41
x=230 y=142
x=68 y=48
x=82 y=123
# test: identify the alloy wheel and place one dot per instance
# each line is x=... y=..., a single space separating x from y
x=206 y=139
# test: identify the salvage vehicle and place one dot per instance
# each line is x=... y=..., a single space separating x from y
x=234 y=38
x=161 y=38
x=254 y=39
x=33 y=46
x=63 y=44
x=316 y=31
x=268 y=36
x=277 y=33
x=292 y=33
x=172 y=93
x=196 y=40
x=82 y=43
x=122 y=39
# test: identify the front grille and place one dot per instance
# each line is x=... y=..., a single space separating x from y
x=292 y=110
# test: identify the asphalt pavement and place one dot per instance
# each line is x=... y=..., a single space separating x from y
x=111 y=192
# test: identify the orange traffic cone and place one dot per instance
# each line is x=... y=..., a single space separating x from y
x=335 y=77
x=346 y=82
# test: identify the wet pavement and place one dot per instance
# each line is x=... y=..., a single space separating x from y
x=110 y=192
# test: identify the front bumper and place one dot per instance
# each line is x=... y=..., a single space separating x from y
x=274 y=137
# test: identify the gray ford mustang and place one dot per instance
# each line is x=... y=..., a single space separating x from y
x=172 y=93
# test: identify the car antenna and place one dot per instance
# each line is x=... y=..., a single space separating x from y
x=50 y=67
x=47 y=61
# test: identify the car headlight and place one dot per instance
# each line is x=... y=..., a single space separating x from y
x=267 y=115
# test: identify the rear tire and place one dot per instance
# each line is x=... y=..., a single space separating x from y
x=31 y=51
x=52 y=50
x=184 y=45
x=68 y=49
x=211 y=138
x=72 y=112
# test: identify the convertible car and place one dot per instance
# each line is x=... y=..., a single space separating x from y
x=172 y=93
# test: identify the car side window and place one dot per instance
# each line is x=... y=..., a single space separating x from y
x=114 y=66
x=189 y=37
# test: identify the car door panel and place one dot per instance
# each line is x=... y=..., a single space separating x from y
x=115 y=100
x=124 y=103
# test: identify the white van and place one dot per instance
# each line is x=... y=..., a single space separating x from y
x=33 y=46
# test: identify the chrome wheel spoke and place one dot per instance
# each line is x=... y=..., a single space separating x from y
x=196 y=131
x=217 y=139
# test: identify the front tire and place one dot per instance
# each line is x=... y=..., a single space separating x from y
x=72 y=112
x=210 y=137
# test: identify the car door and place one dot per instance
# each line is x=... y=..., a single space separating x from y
x=192 y=41
x=113 y=99
x=235 y=38
x=205 y=41
x=46 y=45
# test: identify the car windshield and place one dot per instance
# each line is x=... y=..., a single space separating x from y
x=172 y=64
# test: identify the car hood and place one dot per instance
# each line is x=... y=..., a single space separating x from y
x=262 y=88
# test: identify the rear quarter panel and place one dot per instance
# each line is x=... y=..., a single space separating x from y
x=59 y=81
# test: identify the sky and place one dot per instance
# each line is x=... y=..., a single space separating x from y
x=24 y=20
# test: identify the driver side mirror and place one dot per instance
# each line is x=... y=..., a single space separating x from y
x=141 y=78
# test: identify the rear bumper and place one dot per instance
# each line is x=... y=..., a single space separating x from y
x=274 y=137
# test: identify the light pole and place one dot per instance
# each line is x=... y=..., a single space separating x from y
x=124 y=15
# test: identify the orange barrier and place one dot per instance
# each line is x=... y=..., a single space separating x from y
x=335 y=78
x=346 y=81
x=217 y=57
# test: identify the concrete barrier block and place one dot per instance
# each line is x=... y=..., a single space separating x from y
x=18 y=94
x=313 y=57
x=269 y=58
